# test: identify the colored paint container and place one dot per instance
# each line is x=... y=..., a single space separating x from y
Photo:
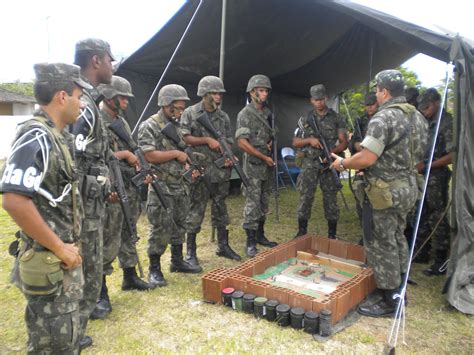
x=270 y=309
x=259 y=307
x=247 y=306
x=283 y=315
x=296 y=317
x=237 y=297
x=311 y=322
x=226 y=295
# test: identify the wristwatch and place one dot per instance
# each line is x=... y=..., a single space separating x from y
x=341 y=164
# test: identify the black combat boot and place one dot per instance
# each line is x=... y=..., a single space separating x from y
x=178 y=264
x=191 y=256
x=103 y=306
x=155 y=277
x=131 y=281
x=439 y=265
x=251 y=246
x=223 y=247
x=332 y=228
x=85 y=342
x=261 y=239
x=385 y=307
x=302 y=227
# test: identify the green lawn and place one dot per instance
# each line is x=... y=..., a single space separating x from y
x=174 y=319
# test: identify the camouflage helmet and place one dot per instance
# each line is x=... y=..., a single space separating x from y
x=118 y=86
x=259 y=81
x=170 y=93
x=209 y=84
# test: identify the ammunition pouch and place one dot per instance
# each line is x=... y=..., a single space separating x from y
x=379 y=194
x=40 y=272
x=91 y=192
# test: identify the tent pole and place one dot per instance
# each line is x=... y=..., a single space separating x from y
x=222 y=52
x=371 y=62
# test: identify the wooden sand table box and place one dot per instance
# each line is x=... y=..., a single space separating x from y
x=311 y=272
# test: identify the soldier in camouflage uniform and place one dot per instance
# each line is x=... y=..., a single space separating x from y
x=395 y=140
x=255 y=136
x=437 y=195
x=117 y=239
x=40 y=192
x=92 y=154
x=211 y=89
x=310 y=154
x=167 y=227
x=360 y=130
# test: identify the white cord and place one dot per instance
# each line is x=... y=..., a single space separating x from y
x=400 y=312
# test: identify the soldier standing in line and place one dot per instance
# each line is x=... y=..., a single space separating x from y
x=170 y=163
x=255 y=136
x=310 y=156
x=211 y=89
x=437 y=194
x=92 y=154
x=40 y=192
x=117 y=239
x=395 y=140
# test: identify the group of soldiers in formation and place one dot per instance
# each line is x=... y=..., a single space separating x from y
x=58 y=184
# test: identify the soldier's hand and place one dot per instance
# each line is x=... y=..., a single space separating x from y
x=181 y=157
x=113 y=197
x=420 y=167
x=228 y=163
x=336 y=164
x=70 y=256
x=269 y=161
x=214 y=144
x=148 y=179
x=196 y=174
x=315 y=143
x=132 y=160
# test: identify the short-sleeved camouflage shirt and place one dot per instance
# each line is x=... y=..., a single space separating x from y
x=397 y=134
x=150 y=138
x=330 y=125
x=221 y=122
x=251 y=127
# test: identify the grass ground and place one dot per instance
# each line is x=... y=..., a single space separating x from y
x=175 y=320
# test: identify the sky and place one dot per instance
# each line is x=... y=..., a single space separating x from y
x=47 y=30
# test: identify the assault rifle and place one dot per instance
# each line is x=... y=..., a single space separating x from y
x=119 y=187
x=170 y=132
x=145 y=168
x=274 y=155
x=327 y=155
x=226 y=151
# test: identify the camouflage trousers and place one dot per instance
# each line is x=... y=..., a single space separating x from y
x=53 y=327
x=162 y=229
x=306 y=185
x=436 y=201
x=53 y=322
x=91 y=240
x=257 y=196
x=387 y=248
x=200 y=195
x=116 y=236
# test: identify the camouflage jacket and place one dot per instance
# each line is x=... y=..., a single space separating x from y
x=250 y=125
x=116 y=144
x=397 y=134
x=221 y=122
x=150 y=138
x=444 y=142
x=45 y=163
x=331 y=125
x=91 y=139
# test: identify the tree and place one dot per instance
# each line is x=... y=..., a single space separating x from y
x=19 y=88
